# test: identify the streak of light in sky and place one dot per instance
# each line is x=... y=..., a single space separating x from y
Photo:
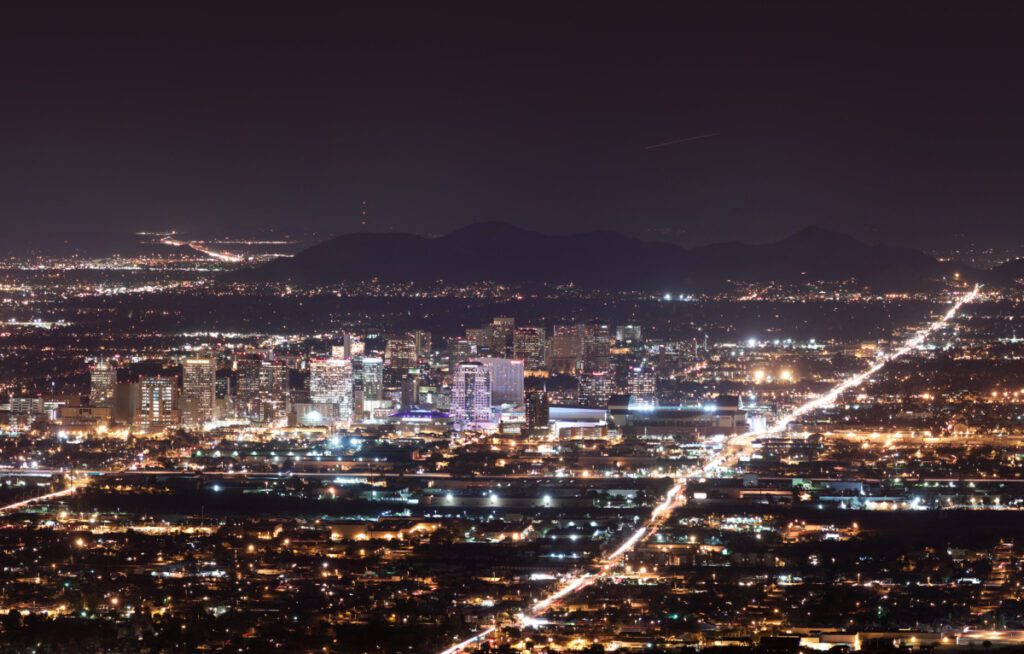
x=688 y=138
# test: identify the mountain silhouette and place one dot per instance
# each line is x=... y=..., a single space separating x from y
x=503 y=253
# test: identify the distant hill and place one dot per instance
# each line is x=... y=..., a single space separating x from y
x=1009 y=272
x=499 y=252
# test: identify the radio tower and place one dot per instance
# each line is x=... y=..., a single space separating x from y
x=362 y=214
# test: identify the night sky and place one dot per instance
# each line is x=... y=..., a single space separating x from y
x=895 y=122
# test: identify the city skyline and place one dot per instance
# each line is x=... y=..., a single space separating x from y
x=418 y=328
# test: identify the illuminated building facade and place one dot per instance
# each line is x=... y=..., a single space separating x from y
x=198 y=390
x=500 y=336
x=642 y=385
x=563 y=351
x=506 y=379
x=102 y=380
x=528 y=346
x=595 y=347
x=330 y=382
x=596 y=389
x=158 y=403
x=400 y=354
x=537 y=410
x=471 y=395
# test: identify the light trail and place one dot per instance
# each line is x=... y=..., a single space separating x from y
x=729 y=456
x=829 y=398
x=454 y=649
x=198 y=246
x=40 y=498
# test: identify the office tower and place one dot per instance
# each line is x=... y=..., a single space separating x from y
x=642 y=385
x=459 y=350
x=102 y=380
x=563 y=351
x=429 y=396
x=222 y=387
x=273 y=391
x=478 y=337
x=500 y=335
x=372 y=383
x=410 y=391
x=528 y=346
x=158 y=403
x=358 y=404
x=24 y=411
x=595 y=347
x=595 y=388
x=330 y=382
x=400 y=354
x=352 y=346
x=628 y=333
x=471 y=396
x=126 y=402
x=506 y=376
x=27 y=405
x=537 y=410
x=198 y=390
x=424 y=343
x=222 y=393
x=247 y=399
x=393 y=395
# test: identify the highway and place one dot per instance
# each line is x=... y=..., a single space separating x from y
x=734 y=448
x=200 y=247
x=39 y=498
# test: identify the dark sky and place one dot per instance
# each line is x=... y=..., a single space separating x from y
x=897 y=122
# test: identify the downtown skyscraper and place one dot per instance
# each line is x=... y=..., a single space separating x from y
x=198 y=390
x=471 y=395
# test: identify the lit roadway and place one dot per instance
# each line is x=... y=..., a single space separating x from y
x=40 y=498
x=734 y=448
x=200 y=247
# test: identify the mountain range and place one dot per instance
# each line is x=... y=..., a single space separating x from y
x=502 y=253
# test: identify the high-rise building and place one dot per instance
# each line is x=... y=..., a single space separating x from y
x=506 y=377
x=400 y=354
x=198 y=390
x=596 y=347
x=410 y=391
x=478 y=337
x=500 y=336
x=528 y=346
x=537 y=410
x=564 y=347
x=358 y=404
x=247 y=399
x=424 y=343
x=372 y=383
x=102 y=380
x=273 y=391
x=352 y=346
x=596 y=388
x=461 y=349
x=330 y=382
x=471 y=396
x=24 y=411
x=222 y=393
x=126 y=402
x=628 y=333
x=158 y=403
x=642 y=385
